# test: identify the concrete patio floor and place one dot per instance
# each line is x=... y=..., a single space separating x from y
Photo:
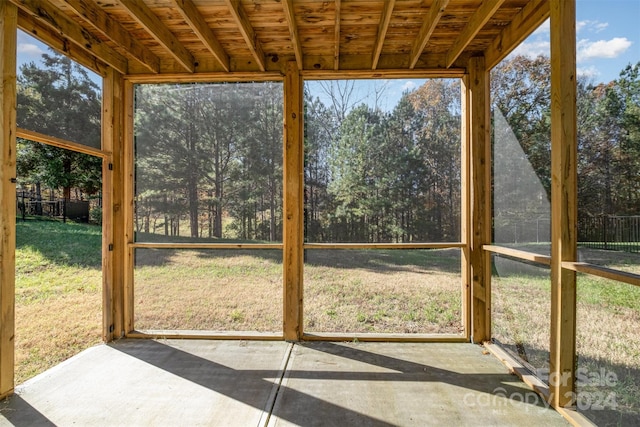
x=258 y=383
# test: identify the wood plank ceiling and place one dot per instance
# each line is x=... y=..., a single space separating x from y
x=187 y=36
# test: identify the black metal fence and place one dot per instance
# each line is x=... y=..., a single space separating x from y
x=28 y=204
x=612 y=232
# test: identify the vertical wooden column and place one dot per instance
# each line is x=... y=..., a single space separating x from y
x=8 y=43
x=479 y=128
x=126 y=233
x=465 y=211
x=563 y=201
x=293 y=238
x=113 y=248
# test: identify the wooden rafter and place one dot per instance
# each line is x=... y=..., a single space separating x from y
x=477 y=21
x=200 y=27
x=55 y=40
x=115 y=32
x=240 y=16
x=522 y=25
x=152 y=24
x=382 y=32
x=336 y=36
x=435 y=13
x=293 y=30
x=45 y=13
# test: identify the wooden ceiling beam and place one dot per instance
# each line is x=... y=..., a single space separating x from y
x=114 y=31
x=200 y=27
x=435 y=13
x=532 y=15
x=293 y=30
x=240 y=16
x=51 y=17
x=477 y=21
x=152 y=24
x=336 y=35
x=53 y=39
x=382 y=32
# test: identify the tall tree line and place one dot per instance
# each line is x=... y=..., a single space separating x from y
x=58 y=99
x=608 y=131
x=210 y=155
x=384 y=176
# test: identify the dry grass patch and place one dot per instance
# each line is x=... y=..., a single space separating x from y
x=393 y=291
x=58 y=294
x=608 y=315
x=215 y=290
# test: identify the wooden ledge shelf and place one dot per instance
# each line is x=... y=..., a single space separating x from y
x=383 y=245
x=604 y=272
x=519 y=254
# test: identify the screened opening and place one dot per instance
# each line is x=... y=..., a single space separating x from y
x=521 y=150
x=383 y=291
x=58 y=199
x=208 y=162
x=208 y=290
x=522 y=329
x=208 y=171
x=382 y=166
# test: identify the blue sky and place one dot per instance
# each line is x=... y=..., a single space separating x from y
x=608 y=39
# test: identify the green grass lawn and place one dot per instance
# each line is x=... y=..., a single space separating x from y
x=608 y=315
x=58 y=301
x=58 y=293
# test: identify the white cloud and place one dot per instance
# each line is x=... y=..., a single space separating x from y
x=30 y=49
x=591 y=26
x=533 y=49
x=602 y=48
x=408 y=85
x=589 y=73
x=544 y=29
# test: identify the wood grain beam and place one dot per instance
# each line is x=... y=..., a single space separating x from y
x=51 y=17
x=336 y=36
x=152 y=24
x=293 y=30
x=58 y=42
x=435 y=13
x=8 y=47
x=114 y=31
x=479 y=116
x=382 y=32
x=200 y=27
x=564 y=205
x=477 y=21
x=293 y=230
x=240 y=16
x=532 y=15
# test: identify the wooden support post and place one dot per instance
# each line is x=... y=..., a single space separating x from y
x=126 y=182
x=465 y=217
x=293 y=239
x=480 y=206
x=8 y=43
x=563 y=201
x=113 y=248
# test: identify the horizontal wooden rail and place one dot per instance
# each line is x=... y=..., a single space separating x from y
x=448 y=73
x=383 y=245
x=196 y=245
x=604 y=272
x=519 y=254
x=205 y=335
x=381 y=337
x=60 y=143
x=205 y=77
